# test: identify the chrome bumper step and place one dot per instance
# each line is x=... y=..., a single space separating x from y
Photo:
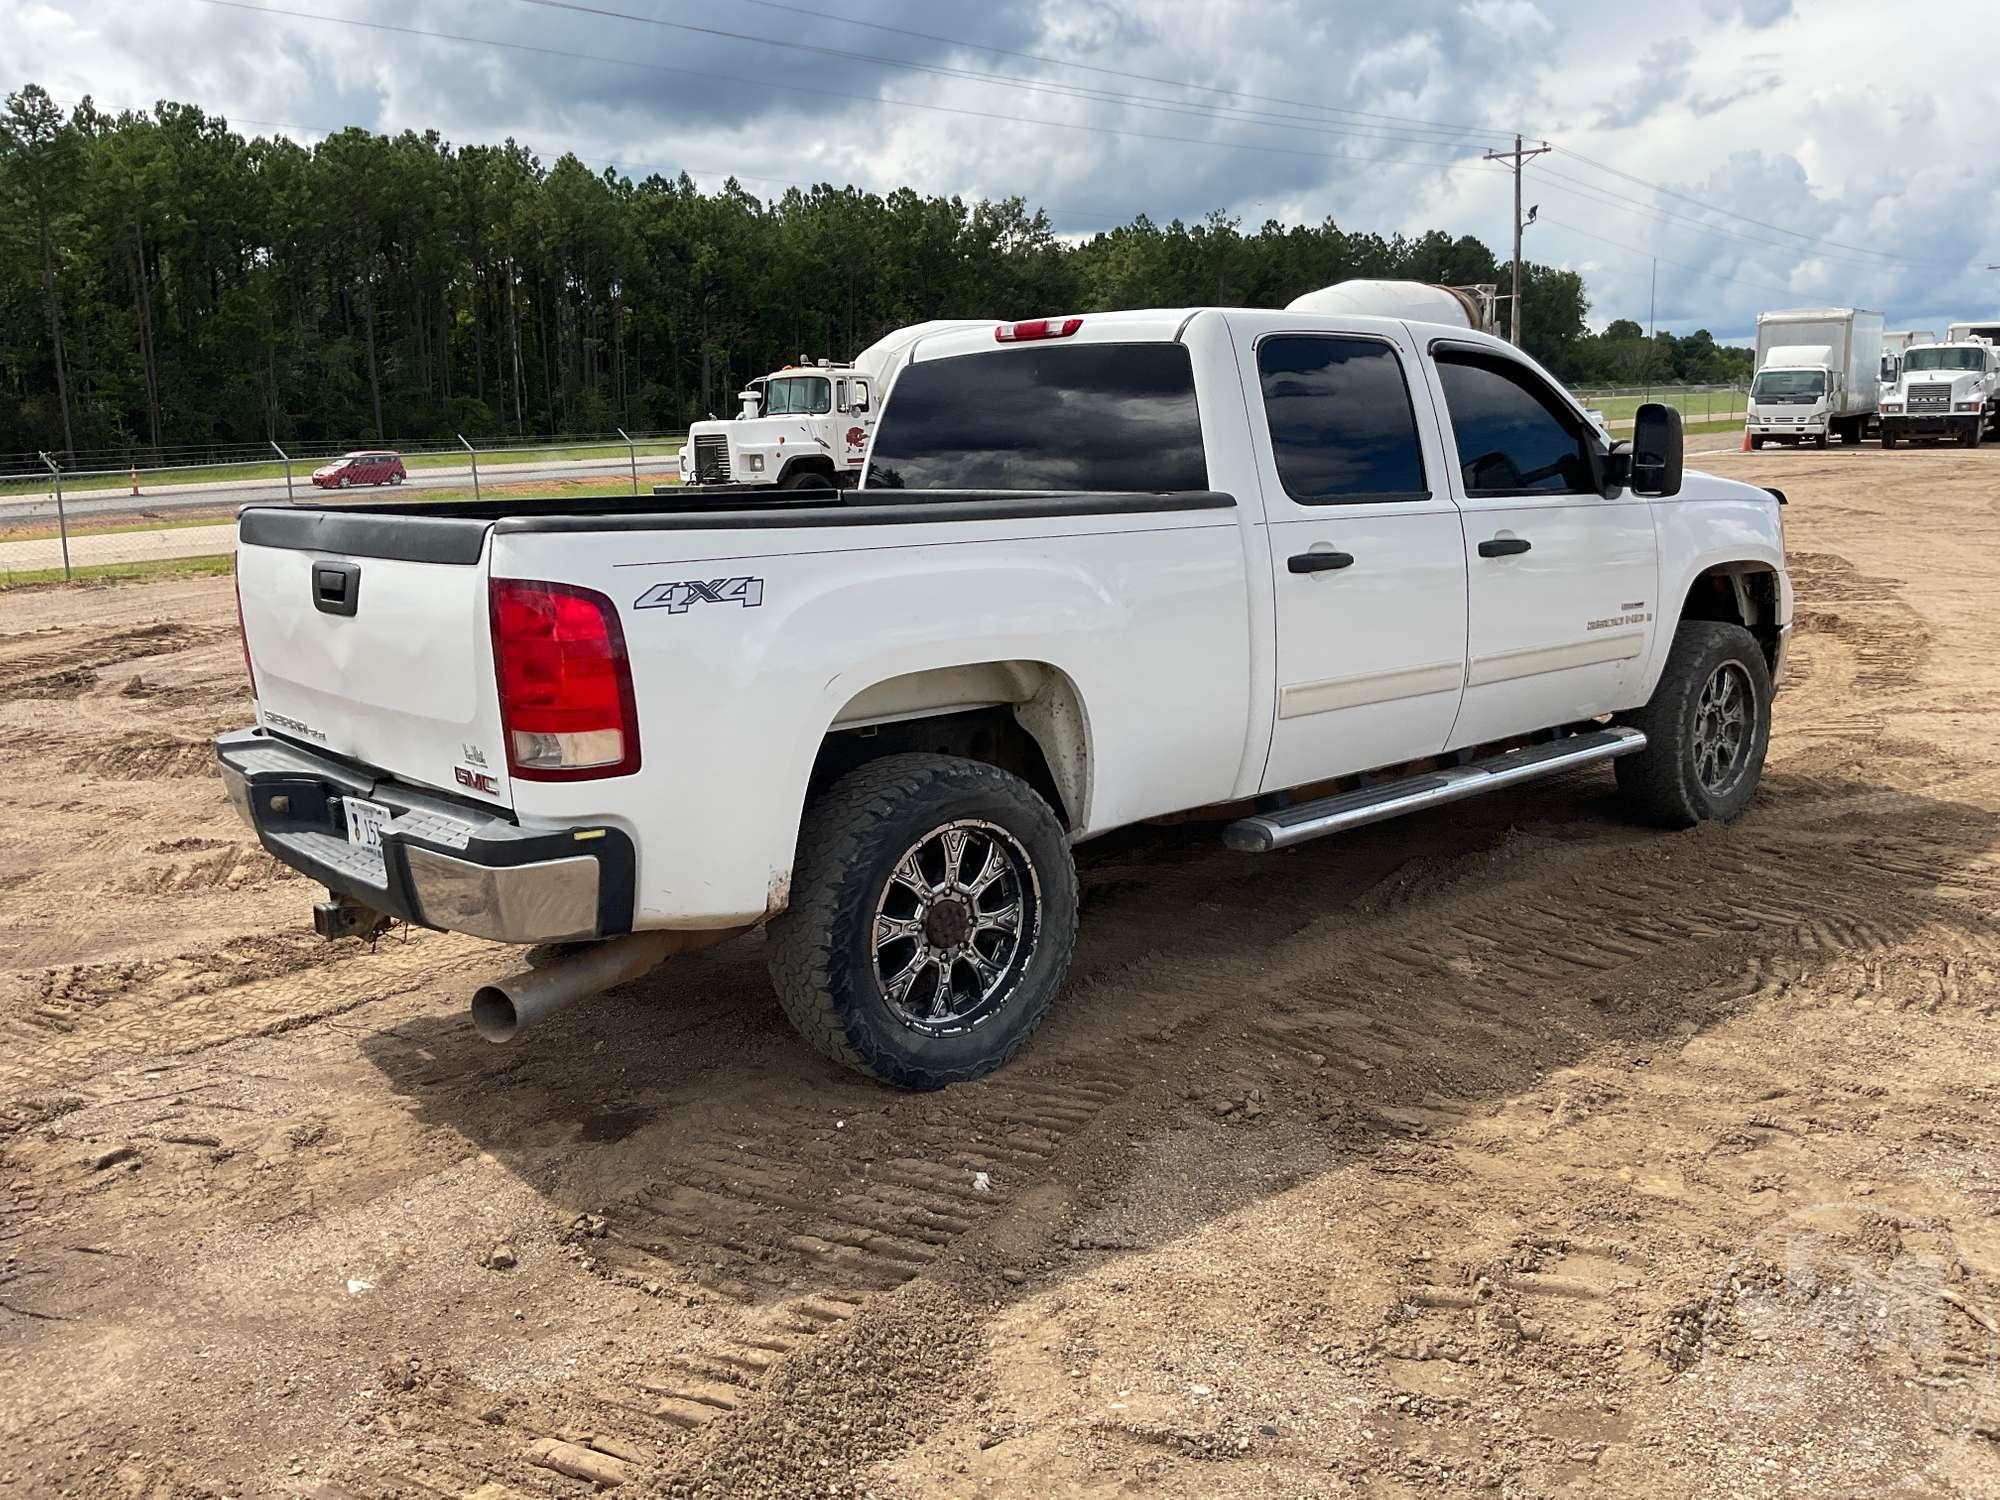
x=1264 y=832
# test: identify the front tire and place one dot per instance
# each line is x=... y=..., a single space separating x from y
x=1708 y=727
x=933 y=912
x=1756 y=443
x=804 y=479
x=1974 y=435
x=1889 y=436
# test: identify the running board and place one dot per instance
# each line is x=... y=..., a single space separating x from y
x=1310 y=820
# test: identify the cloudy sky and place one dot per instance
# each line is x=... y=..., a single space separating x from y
x=1768 y=152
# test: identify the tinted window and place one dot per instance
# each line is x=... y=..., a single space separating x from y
x=1044 y=417
x=1513 y=436
x=1342 y=428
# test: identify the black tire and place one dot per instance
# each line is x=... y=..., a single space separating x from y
x=1668 y=783
x=1756 y=443
x=805 y=479
x=827 y=965
x=1819 y=440
x=1973 y=435
x=1889 y=437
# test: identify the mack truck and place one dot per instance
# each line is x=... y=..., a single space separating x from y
x=1949 y=390
x=804 y=426
x=1819 y=373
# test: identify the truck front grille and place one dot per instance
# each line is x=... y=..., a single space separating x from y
x=711 y=460
x=1930 y=398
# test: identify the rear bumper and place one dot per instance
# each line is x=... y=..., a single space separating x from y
x=441 y=864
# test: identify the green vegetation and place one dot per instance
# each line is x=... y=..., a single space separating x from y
x=165 y=280
x=125 y=572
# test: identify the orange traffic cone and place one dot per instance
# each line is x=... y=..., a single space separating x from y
x=1746 y=440
x=135 y=479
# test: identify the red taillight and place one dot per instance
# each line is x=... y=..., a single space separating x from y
x=243 y=634
x=1036 y=328
x=566 y=703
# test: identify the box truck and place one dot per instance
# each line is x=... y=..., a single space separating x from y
x=1819 y=372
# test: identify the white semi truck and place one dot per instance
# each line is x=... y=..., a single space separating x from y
x=805 y=426
x=1819 y=372
x=1948 y=390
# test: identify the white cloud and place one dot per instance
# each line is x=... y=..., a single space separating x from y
x=1813 y=129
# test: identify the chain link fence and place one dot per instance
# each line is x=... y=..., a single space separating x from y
x=66 y=524
x=1618 y=405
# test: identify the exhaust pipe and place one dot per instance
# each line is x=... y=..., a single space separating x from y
x=501 y=1009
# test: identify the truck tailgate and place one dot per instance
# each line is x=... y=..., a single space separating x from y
x=370 y=637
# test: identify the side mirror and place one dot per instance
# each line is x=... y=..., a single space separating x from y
x=1656 y=451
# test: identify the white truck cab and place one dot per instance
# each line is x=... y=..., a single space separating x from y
x=805 y=426
x=1949 y=390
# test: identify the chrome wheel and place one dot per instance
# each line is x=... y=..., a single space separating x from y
x=1725 y=719
x=954 y=926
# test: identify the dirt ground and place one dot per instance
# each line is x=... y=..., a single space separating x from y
x=1512 y=1150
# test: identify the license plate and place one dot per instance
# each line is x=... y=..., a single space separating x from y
x=365 y=821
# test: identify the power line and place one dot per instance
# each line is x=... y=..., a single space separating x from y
x=224 y=116
x=1591 y=193
x=1266 y=119
x=793 y=88
x=1178 y=83
x=1683 y=265
x=1742 y=218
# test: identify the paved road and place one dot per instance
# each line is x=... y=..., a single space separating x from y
x=243 y=491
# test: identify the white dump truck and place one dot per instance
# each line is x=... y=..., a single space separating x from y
x=805 y=426
x=1949 y=390
x=1819 y=372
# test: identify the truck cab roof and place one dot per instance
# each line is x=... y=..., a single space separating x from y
x=1169 y=324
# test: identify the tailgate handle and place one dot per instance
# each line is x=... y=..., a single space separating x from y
x=336 y=587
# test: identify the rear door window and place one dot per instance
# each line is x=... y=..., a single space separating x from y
x=1343 y=430
x=1102 y=417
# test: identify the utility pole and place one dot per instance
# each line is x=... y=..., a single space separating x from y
x=1518 y=157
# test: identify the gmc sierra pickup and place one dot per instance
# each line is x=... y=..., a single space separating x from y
x=1310 y=571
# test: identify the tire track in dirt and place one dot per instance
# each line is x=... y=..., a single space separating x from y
x=61 y=1024
x=803 y=1228
x=69 y=669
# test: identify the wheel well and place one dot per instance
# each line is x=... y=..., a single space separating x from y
x=1743 y=594
x=817 y=463
x=1023 y=717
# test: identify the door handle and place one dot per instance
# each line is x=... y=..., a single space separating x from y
x=1319 y=562
x=1505 y=546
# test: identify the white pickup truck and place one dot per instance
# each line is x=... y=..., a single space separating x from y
x=1308 y=571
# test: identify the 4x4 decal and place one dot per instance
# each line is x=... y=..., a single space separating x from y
x=675 y=598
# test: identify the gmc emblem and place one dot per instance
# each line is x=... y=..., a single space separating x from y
x=478 y=781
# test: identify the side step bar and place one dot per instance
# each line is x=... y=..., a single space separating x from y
x=1264 y=832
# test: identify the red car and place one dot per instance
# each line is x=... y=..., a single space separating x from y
x=369 y=467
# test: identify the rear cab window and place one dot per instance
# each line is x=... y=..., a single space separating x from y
x=1092 y=417
x=1343 y=429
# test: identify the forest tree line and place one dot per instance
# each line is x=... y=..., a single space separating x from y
x=168 y=282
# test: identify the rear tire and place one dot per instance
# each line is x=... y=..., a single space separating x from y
x=933 y=912
x=1708 y=726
